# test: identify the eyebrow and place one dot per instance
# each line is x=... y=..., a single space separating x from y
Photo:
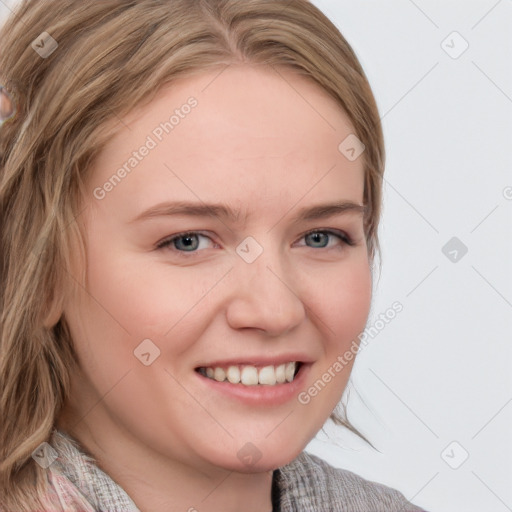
x=222 y=211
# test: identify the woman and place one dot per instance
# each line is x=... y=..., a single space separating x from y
x=190 y=194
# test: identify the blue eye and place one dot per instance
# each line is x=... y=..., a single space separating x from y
x=183 y=242
x=320 y=236
x=189 y=242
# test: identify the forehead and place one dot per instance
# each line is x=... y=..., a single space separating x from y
x=251 y=136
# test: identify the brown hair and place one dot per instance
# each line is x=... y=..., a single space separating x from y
x=114 y=55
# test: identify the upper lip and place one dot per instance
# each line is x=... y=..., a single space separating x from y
x=257 y=361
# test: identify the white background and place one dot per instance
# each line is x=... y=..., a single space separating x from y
x=440 y=371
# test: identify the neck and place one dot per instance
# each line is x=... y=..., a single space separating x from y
x=230 y=492
x=157 y=484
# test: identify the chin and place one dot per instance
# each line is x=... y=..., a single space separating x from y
x=259 y=457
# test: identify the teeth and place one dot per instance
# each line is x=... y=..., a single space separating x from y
x=267 y=375
x=219 y=374
x=233 y=374
x=280 y=374
x=290 y=371
x=250 y=376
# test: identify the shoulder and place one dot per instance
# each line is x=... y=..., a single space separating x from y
x=309 y=483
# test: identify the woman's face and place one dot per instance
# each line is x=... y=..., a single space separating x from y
x=249 y=161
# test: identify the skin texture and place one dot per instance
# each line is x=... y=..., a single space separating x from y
x=266 y=142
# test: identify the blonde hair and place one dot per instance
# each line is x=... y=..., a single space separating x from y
x=114 y=55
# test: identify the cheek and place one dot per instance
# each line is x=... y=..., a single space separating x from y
x=144 y=297
x=342 y=301
x=340 y=307
x=132 y=298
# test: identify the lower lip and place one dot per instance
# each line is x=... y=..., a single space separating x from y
x=260 y=394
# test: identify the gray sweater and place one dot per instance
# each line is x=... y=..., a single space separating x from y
x=307 y=484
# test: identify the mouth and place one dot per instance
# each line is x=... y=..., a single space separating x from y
x=251 y=375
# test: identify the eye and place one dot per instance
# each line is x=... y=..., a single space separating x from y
x=190 y=241
x=184 y=242
x=320 y=238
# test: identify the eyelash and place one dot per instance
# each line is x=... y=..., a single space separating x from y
x=167 y=242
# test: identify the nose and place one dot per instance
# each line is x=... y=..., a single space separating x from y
x=265 y=296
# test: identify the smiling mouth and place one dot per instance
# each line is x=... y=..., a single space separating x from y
x=249 y=375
